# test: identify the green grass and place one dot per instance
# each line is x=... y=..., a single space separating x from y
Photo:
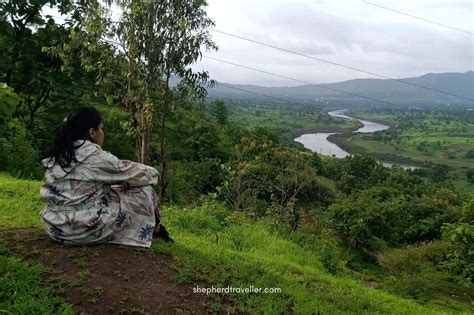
x=407 y=147
x=21 y=291
x=20 y=202
x=462 y=185
x=20 y=288
x=212 y=248
x=215 y=246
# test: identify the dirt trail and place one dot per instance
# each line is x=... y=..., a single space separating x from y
x=105 y=279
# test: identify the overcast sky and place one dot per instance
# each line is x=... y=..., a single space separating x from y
x=350 y=32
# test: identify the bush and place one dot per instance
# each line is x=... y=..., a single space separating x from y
x=413 y=286
x=265 y=176
x=331 y=258
x=414 y=270
x=434 y=252
x=286 y=214
x=8 y=102
x=460 y=256
x=253 y=205
x=428 y=213
x=439 y=172
x=470 y=154
x=190 y=179
x=467 y=215
x=359 y=172
x=369 y=217
x=17 y=155
x=470 y=176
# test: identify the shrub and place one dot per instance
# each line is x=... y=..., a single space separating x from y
x=286 y=214
x=253 y=205
x=428 y=213
x=414 y=270
x=331 y=258
x=467 y=215
x=267 y=176
x=413 y=286
x=434 y=251
x=190 y=179
x=470 y=176
x=17 y=155
x=470 y=154
x=359 y=172
x=8 y=102
x=460 y=256
x=366 y=218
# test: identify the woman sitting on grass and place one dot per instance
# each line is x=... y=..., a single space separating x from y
x=93 y=197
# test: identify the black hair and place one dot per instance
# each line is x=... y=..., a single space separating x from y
x=74 y=127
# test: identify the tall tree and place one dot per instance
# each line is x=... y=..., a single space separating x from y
x=161 y=40
x=220 y=112
x=154 y=43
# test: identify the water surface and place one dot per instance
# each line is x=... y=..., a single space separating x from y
x=319 y=143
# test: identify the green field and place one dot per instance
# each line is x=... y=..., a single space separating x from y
x=420 y=138
x=438 y=137
x=291 y=123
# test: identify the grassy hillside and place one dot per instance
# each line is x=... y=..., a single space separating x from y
x=223 y=248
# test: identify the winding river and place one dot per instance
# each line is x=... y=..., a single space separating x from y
x=318 y=142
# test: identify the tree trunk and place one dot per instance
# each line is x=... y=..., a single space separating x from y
x=39 y=101
x=131 y=107
x=163 y=168
x=145 y=141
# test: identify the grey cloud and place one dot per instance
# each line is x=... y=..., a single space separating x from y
x=390 y=46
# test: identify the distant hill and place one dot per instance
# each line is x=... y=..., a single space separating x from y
x=461 y=84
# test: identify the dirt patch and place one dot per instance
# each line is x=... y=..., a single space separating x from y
x=372 y=282
x=105 y=279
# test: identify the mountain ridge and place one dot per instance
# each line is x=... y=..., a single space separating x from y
x=461 y=84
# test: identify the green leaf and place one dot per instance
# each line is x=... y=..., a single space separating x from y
x=110 y=100
x=8 y=102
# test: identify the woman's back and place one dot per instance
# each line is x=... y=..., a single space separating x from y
x=90 y=195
